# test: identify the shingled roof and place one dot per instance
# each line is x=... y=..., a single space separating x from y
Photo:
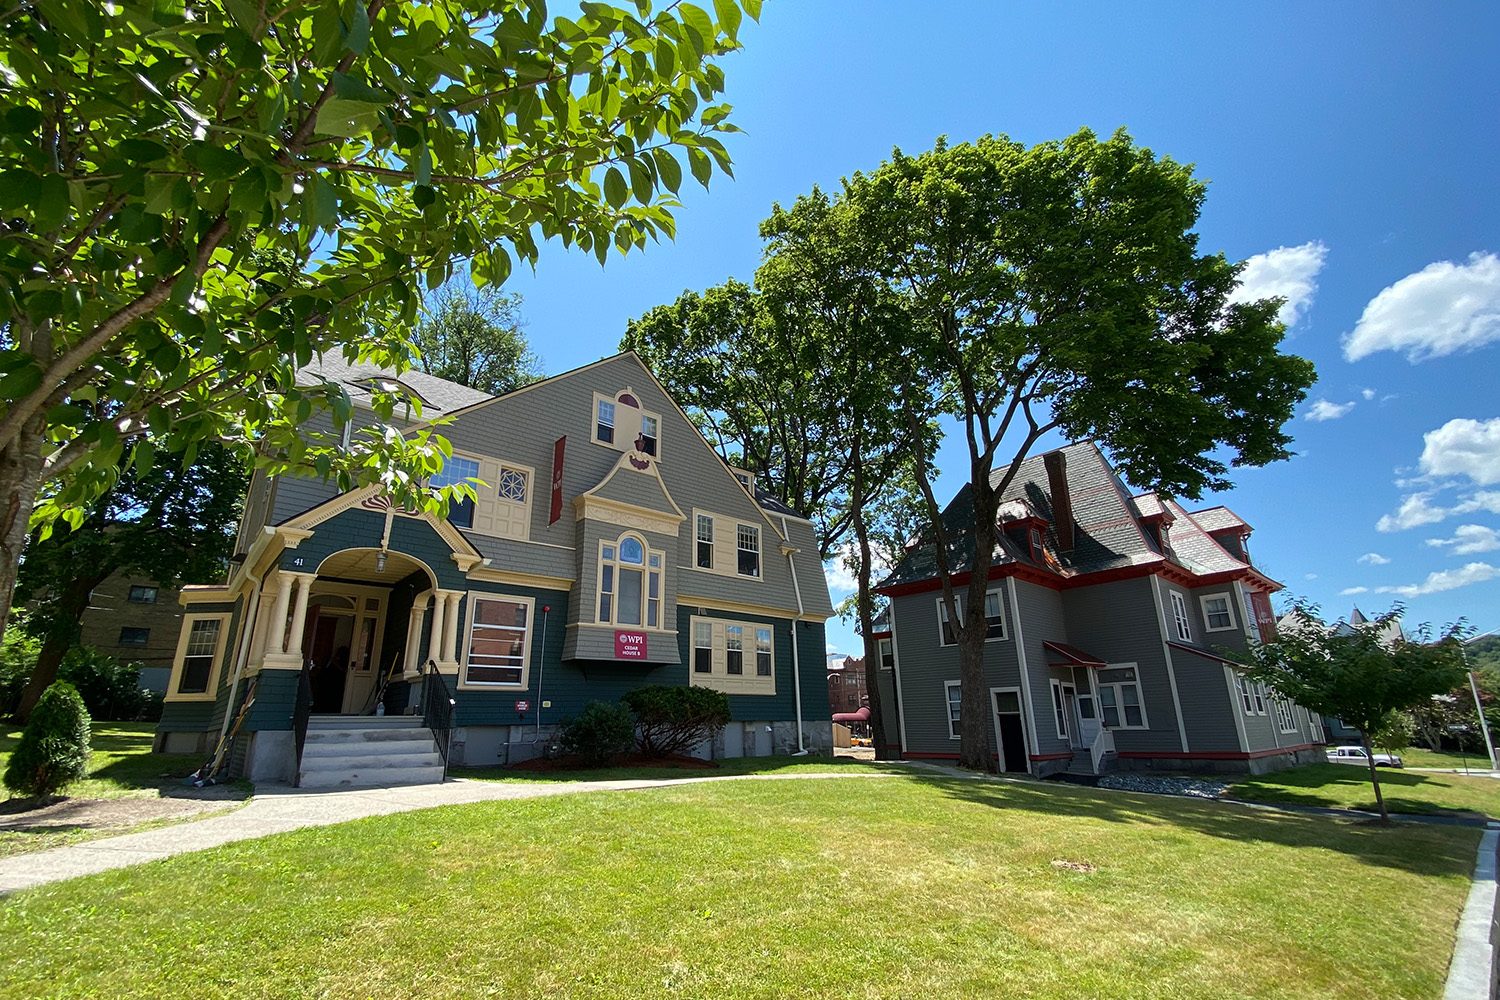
x=437 y=396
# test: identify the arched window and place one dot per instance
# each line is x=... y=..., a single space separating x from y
x=629 y=583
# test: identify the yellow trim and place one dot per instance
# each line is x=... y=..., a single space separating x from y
x=748 y=681
x=464 y=684
x=646 y=571
x=216 y=594
x=625 y=515
x=487 y=574
x=211 y=693
x=741 y=608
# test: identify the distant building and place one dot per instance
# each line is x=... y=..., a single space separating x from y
x=846 y=685
x=135 y=620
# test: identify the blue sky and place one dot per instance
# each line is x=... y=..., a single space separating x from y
x=1352 y=151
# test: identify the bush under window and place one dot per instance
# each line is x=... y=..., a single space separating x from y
x=675 y=719
x=601 y=732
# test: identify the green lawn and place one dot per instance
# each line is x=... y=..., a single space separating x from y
x=1344 y=786
x=122 y=766
x=1416 y=757
x=782 y=764
x=881 y=887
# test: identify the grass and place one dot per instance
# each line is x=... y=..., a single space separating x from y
x=121 y=766
x=893 y=887
x=1344 y=786
x=1417 y=757
x=782 y=764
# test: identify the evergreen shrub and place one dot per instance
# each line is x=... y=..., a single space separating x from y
x=601 y=732
x=53 y=750
x=673 y=719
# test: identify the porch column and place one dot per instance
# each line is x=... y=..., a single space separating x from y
x=299 y=615
x=264 y=616
x=275 y=635
x=445 y=613
x=435 y=637
x=411 y=666
x=450 y=652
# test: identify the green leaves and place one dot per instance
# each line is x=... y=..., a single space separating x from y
x=615 y=191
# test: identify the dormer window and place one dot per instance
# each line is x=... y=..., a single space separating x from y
x=1036 y=544
x=747 y=479
x=605 y=429
x=649 y=428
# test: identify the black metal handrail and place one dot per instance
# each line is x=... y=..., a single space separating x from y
x=301 y=713
x=437 y=710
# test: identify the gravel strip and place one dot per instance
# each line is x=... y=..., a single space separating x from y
x=1194 y=787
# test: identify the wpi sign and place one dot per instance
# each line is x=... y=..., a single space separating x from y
x=630 y=645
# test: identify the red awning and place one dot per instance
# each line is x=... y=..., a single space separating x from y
x=863 y=715
x=1206 y=654
x=1072 y=656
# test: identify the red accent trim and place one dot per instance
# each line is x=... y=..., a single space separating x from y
x=1075 y=656
x=1159 y=567
x=1219 y=754
x=1204 y=654
x=1050 y=756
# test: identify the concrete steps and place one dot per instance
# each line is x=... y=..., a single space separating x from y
x=1083 y=763
x=354 y=751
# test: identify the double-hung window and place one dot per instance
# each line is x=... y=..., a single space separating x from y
x=629 y=583
x=605 y=426
x=1260 y=697
x=994 y=616
x=1180 y=617
x=1245 y=698
x=887 y=654
x=457 y=469
x=748 y=542
x=705 y=540
x=1217 y=616
x=703 y=647
x=650 y=429
x=499 y=636
x=954 y=694
x=735 y=645
x=1120 y=706
x=198 y=653
x=762 y=652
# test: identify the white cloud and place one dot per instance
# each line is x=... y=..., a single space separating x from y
x=1324 y=410
x=1448 y=579
x=1469 y=539
x=1288 y=272
x=1417 y=509
x=1369 y=394
x=1464 y=447
x=840 y=578
x=1349 y=591
x=1372 y=559
x=1312 y=576
x=1444 y=308
x=832 y=649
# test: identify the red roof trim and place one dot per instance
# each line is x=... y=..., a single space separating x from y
x=1204 y=653
x=1075 y=656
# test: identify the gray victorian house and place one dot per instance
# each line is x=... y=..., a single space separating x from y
x=609 y=547
x=1111 y=620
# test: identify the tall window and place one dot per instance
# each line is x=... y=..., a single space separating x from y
x=649 y=428
x=955 y=697
x=1260 y=698
x=994 y=616
x=455 y=470
x=1216 y=614
x=763 y=652
x=605 y=431
x=735 y=644
x=1285 y=720
x=748 y=537
x=1244 y=689
x=703 y=647
x=198 y=660
x=629 y=584
x=945 y=626
x=1060 y=711
x=1180 y=617
x=705 y=542
x=887 y=654
x=498 y=637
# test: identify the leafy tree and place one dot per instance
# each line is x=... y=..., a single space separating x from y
x=1394 y=733
x=1060 y=287
x=1358 y=676
x=175 y=525
x=197 y=199
x=473 y=336
x=53 y=751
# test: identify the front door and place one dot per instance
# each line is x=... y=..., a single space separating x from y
x=1010 y=732
x=329 y=661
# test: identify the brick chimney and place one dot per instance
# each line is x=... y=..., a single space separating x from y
x=1062 y=500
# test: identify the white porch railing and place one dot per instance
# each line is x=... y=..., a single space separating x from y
x=1104 y=743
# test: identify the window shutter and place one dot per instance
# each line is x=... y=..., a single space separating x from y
x=721 y=647
x=726 y=549
x=484 y=507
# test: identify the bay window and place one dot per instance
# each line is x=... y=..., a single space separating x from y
x=630 y=584
x=199 y=653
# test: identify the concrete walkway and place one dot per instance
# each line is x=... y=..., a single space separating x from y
x=279 y=809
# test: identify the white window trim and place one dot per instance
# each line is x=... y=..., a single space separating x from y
x=211 y=693
x=958 y=602
x=464 y=684
x=614 y=605
x=1246 y=696
x=1181 y=623
x=947 y=702
x=1140 y=697
x=760 y=555
x=1285 y=720
x=1258 y=693
x=880 y=652
x=719 y=678
x=1228 y=599
x=1059 y=707
x=725 y=549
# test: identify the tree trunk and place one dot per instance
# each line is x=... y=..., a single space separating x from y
x=974 y=750
x=866 y=611
x=20 y=475
x=73 y=602
x=1374 y=777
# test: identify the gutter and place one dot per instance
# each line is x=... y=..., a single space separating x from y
x=788 y=551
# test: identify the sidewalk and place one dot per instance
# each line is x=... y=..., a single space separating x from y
x=279 y=809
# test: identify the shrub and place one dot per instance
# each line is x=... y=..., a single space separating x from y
x=675 y=719
x=54 y=747
x=110 y=689
x=600 y=732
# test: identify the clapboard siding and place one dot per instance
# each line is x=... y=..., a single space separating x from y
x=1043 y=619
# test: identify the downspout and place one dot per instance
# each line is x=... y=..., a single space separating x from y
x=541 y=666
x=796 y=661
